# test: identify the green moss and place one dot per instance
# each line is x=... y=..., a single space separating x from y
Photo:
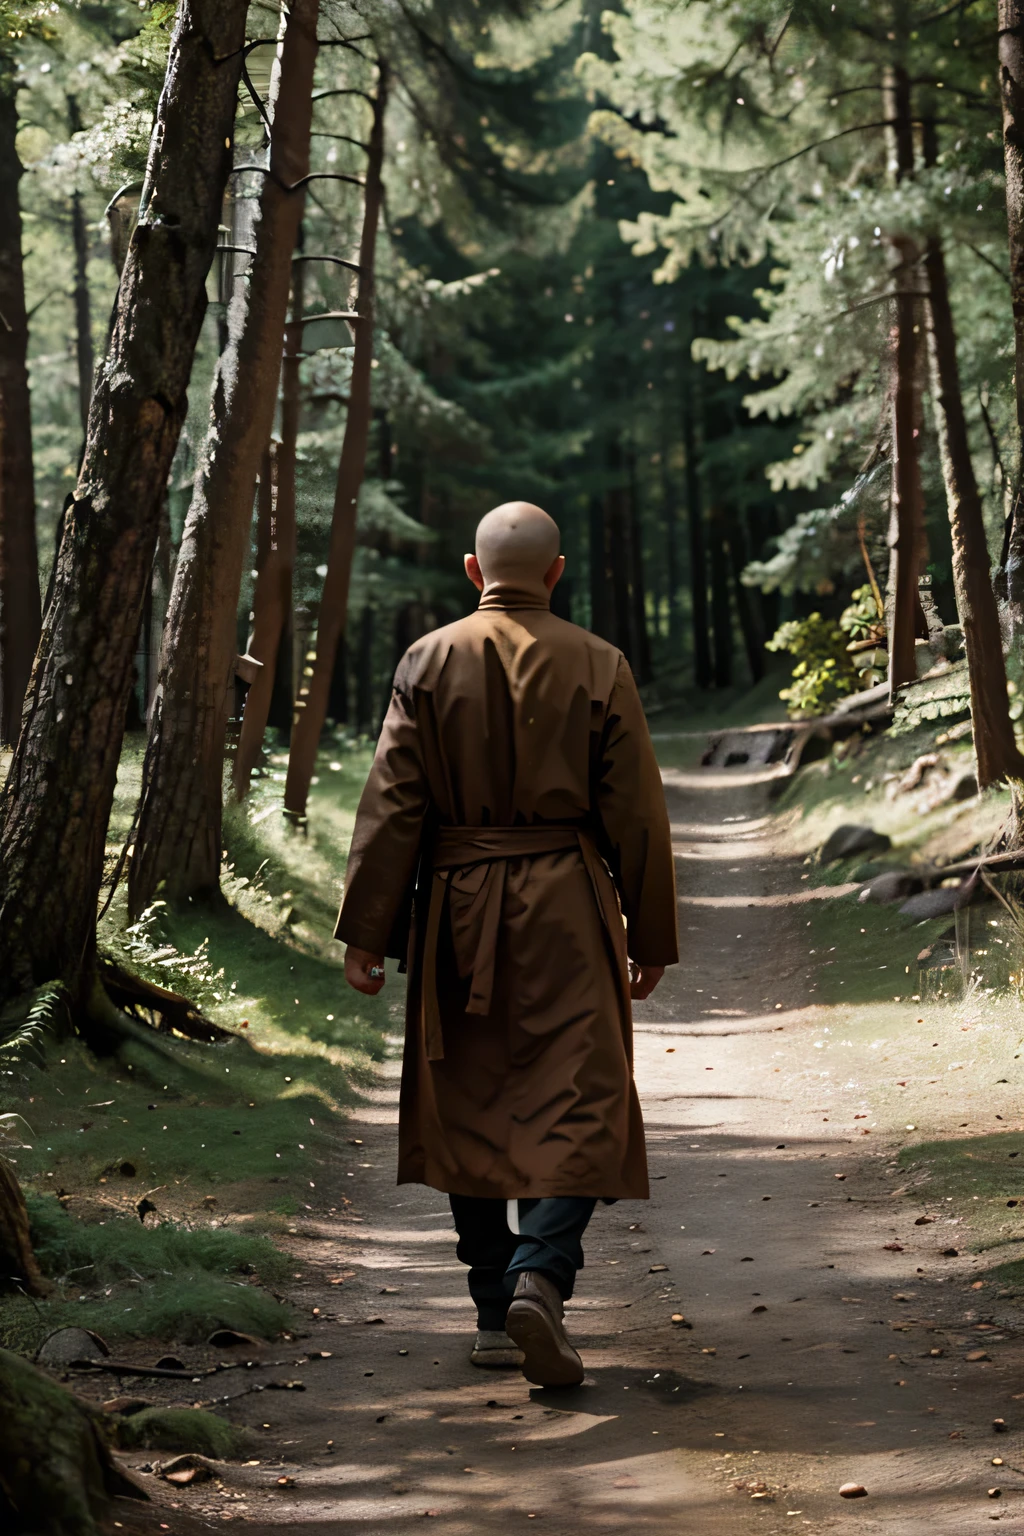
x=180 y=1429
x=974 y=1178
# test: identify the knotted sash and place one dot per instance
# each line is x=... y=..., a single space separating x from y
x=476 y=942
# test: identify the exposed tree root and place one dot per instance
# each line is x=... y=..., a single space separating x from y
x=57 y=1473
x=146 y=1003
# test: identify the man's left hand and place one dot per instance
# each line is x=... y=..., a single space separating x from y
x=643 y=979
x=364 y=970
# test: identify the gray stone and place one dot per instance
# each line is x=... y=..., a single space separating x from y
x=845 y=841
x=69 y=1344
x=894 y=885
x=937 y=903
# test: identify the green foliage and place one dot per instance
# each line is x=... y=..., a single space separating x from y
x=823 y=673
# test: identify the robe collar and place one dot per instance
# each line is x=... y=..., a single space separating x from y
x=505 y=595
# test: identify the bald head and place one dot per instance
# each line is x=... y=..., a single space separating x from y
x=518 y=543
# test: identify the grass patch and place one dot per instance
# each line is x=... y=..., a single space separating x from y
x=167 y=1282
x=123 y=1248
x=974 y=1178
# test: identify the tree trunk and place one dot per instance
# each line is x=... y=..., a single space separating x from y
x=83 y=307
x=637 y=584
x=670 y=523
x=178 y=843
x=366 y=693
x=311 y=705
x=273 y=627
x=994 y=744
x=18 y=1268
x=616 y=515
x=600 y=579
x=19 y=565
x=57 y=799
x=750 y=625
x=721 y=608
x=698 y=549
x=907 y=501
x=1011 y=85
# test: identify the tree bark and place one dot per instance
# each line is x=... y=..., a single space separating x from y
x=907 y=500
x=749 y=617
x=366 y=692
x=273 y=628
x=600 y=578
x=994 y=744
x=637 y=584
x=19 y=565
x=698 y=549
x=83 y=307
x=721 y=608
x=18 y=1267
x=178 y=843
x=1011 y=86
x=58 y=794
x=311 y=705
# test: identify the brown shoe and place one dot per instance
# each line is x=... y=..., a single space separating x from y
x=534 y=1322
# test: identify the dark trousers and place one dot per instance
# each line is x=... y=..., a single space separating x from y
x=549 y=1239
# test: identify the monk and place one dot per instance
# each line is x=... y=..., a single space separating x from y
x=512 y=847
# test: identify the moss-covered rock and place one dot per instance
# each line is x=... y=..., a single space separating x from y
x=57 y=1476
x=180 y=1429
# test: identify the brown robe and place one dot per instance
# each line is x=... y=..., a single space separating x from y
x=512 y=818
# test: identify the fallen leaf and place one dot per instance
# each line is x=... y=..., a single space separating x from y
x=865 y=1424
x=370 y=1320
x=893 y=1247
x=625 y=1482
x=977 y=1354
x=759 y=1308
x=922 y=1221
x=657 y=1269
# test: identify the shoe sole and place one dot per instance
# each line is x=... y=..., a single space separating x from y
x=550 y=1360
x=497 y=1359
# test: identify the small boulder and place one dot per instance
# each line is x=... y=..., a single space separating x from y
x=938 y=903
x=845 y=841
x=894 y=885
x=853 y=1491
x=68 y=1344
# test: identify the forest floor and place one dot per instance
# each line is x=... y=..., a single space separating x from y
x=818 y=1145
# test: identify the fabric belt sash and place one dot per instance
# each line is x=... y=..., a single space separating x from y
x=463 y=848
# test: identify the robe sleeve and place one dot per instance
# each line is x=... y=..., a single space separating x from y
x=638 y=841
x=382 y=863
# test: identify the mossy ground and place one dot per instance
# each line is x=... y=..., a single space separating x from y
x=249 y=1122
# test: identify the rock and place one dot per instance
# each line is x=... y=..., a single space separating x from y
x=187 y=1469
x=853 y=1491
x=180 y=1429
x=976 y=1355
x=230 y=1338
x=935 y=903
x=69 y=1344
x=868 y=870
x=845 y=841
x=894 y=885
x=58 y=1474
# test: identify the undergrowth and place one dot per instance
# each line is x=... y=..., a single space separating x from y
x=121 y=1278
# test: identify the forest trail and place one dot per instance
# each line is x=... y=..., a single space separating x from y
x=809 y=1363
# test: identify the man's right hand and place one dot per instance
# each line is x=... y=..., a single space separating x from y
x=643 y=979
x=360 y=966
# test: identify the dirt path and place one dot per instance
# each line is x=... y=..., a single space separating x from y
x=811 y=1361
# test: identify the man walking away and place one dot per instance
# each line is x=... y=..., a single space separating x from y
x=512 y=845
